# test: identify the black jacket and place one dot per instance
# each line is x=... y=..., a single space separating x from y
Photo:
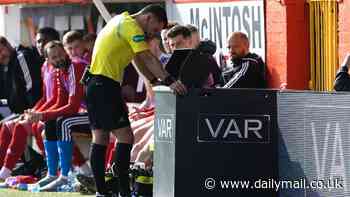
x=209 y=47
x=342 y=79
x=246 y=72
x=20 y=80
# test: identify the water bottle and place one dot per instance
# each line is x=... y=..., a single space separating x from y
x=65 y=188
x=71 y=178
x=33 y=187
x=22 y=186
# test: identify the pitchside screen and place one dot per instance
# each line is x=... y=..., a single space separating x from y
x=252 y=143
x=217 y=135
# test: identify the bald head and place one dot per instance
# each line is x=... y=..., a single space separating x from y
x=238 y=45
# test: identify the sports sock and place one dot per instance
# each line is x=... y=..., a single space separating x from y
x=97 y=161
x=65 y=150
x=51 y=152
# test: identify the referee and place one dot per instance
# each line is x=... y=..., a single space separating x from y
x=121 y=41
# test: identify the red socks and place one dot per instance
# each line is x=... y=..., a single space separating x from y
x=17 y=146
x=5 y=139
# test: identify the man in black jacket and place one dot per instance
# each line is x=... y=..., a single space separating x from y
x=180 y=37
x=20 y=74
x=342 y=79
x=208 y=47
x=248 y=69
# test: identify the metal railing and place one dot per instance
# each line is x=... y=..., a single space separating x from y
x=323 y=44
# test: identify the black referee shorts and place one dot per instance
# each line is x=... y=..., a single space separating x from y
x=106 y=107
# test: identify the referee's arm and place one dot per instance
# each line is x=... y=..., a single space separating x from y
x=150 y=67
x=141 y=69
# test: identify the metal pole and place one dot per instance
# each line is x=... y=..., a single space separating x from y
x=103 y=10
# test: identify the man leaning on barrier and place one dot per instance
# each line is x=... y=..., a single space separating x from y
x=207 y=47
x=179 y=38
x=119 y=42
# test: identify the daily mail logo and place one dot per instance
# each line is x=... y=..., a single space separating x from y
x=233 y=128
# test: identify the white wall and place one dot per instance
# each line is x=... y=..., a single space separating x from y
x=2 y=21
x=217 y=20
x=10 y=23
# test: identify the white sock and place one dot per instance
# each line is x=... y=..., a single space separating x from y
x=5 y=173
x=85 y=169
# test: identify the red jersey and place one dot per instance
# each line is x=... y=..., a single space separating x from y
x=49 y=77
x=69 y=92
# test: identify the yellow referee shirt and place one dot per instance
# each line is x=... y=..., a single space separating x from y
x=116 y=45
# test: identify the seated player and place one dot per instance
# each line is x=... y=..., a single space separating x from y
x=15 y=143
x=75 y=47
x=70 y=96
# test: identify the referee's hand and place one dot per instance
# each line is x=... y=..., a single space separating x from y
x=178 y=87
